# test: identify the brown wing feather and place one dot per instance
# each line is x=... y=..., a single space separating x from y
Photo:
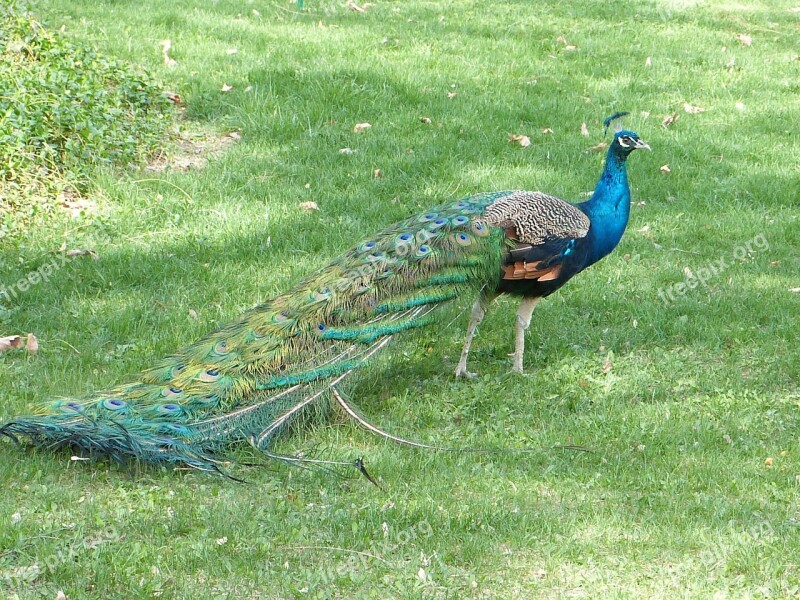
x=526 y=270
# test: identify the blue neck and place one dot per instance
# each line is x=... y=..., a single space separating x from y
x=609 y=207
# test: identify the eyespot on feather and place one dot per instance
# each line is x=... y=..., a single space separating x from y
x=480 y=229
x=174 y=428
x=113 y=404
x=221 y=347
x=436 y=224
x=374 y=257
x=69 y=407
x=209 y=376
x=462 y=239
x=169 y=409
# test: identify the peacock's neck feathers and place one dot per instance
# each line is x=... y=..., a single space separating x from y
x=609 y=207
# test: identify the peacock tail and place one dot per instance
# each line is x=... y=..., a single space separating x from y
x=248 y=380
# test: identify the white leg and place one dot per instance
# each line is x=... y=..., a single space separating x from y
x=478 y=311
x=523 y=321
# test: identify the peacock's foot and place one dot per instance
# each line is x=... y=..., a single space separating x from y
x=462 y=372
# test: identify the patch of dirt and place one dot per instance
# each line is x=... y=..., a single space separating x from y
x=72 y=202
x=192 y=150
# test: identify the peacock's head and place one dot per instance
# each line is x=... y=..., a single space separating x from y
x=625 y=142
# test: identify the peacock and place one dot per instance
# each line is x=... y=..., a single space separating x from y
x=254 y=377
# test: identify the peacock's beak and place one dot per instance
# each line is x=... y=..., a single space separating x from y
x=642 y=145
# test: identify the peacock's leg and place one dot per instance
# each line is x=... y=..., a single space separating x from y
x=523 y=321
x=478 y=311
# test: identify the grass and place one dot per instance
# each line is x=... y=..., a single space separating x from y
x=690 y=405
x=64 y=108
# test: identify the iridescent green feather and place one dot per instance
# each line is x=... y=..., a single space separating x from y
x=251 y=377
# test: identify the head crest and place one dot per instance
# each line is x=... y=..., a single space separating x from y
x=614 y=117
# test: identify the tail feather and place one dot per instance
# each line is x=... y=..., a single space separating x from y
x=251 y=378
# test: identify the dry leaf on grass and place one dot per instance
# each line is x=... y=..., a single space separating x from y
x=192 y=313
x=226 y=88
x=81 y=252
x=745 y=39
x=567 y=46
x=11 y=342
x=648 y=62
x=166 y=46
x=692 y=110
x=795 y=290
x=309 y=206
x=425 y=120
x=360 y=9
x=522 y=140
x=173 y=97
x=598 y=148
x=607 y=365
x=32 y=344
x=740 y=106
x=346 y=151
x=359 y=127
x=665 y=169
x=451 y=95
x=670 y=119
x=547 y=130
x=584 y=129
x=377 y=173
x=231 y=51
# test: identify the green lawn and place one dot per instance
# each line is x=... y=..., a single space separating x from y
x=686 y=393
